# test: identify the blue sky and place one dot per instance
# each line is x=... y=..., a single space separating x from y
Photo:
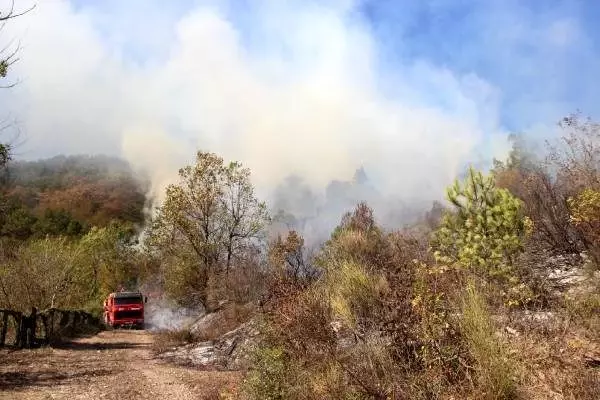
x=542 y=55
x=315 y=88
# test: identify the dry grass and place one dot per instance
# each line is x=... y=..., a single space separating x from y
x=166 y=340
x=554 y=367
x=493 y=369
x=227 y=319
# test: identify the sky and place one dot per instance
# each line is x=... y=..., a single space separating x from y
x=411 y=90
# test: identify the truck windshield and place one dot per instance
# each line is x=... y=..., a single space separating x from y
x=128 y=300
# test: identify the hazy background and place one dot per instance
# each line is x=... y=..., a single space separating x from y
x=303 y=92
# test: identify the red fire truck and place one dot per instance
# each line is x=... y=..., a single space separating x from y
x=124 y=309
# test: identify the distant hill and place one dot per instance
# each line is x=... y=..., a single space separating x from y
x=68 y=194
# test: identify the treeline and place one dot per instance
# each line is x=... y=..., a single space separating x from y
x=67 y=230
x=68 y=196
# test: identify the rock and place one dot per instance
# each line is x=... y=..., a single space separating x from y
x=203 y=323
x=511 y=331
x=592 y=360
x=230 y=351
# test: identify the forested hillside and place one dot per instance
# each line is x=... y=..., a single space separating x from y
x=68 y=195
x=66 y=229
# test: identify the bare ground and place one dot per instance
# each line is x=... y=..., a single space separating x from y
x=111 y=365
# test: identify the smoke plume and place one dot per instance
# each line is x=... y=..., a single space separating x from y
x=297 y=91
x=162 y=314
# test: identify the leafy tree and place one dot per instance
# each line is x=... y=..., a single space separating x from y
x=209 y=220
x=288 y=256
x=43 y=273
x=585 y=216
x=18 y=223
x=57 y=271
x=57 y=222
x=543 y=194
x=486 y=230
x=109 y=259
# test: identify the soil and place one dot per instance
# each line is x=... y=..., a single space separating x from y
x=116 y=364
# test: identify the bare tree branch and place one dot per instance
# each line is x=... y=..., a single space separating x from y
x=11 y=14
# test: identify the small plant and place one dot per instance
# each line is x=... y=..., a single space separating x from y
x=484 y=234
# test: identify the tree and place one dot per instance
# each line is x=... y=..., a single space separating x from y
x=585 y=216
x=4 y=154
x=209 y=219
x=543 y=196
x=44 y=273
x=109 y=261
x=288 y=257
x=8 y=57
x=486 y=230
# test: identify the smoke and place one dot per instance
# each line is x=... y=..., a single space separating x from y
x=290 y=89
x=162 y=314
x=295 y=206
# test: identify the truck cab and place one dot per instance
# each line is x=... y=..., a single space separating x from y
x=124 y=309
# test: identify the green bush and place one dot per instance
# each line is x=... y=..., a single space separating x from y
x=484 y=234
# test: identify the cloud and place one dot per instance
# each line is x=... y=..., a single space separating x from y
x=301 y=88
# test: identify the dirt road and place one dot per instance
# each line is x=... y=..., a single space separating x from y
x=111 y=365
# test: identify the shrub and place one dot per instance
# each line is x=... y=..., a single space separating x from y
x=350 y=291
x=534 y=181
x=585 y=216
x=442 y=346
x=267 y=380
x=485 y=233
x=486 y=230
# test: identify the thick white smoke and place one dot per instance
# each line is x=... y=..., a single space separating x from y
x=295 y=88
x=162 y=314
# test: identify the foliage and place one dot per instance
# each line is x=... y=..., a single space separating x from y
x=77 y=273
x=443 y=348
x=109 y=261
x=267 y=379
x=487 y=229
x=68 y=195
x=353 y=329
x=543 y=193
x=17 y=223
x=4 y=154
x=577 y=155
x=58 y=261
x=208 y=222
x=569 y=166
x=287 y=256
x=57 y=222
x=585 y=216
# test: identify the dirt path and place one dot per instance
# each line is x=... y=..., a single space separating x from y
x=112 y=365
